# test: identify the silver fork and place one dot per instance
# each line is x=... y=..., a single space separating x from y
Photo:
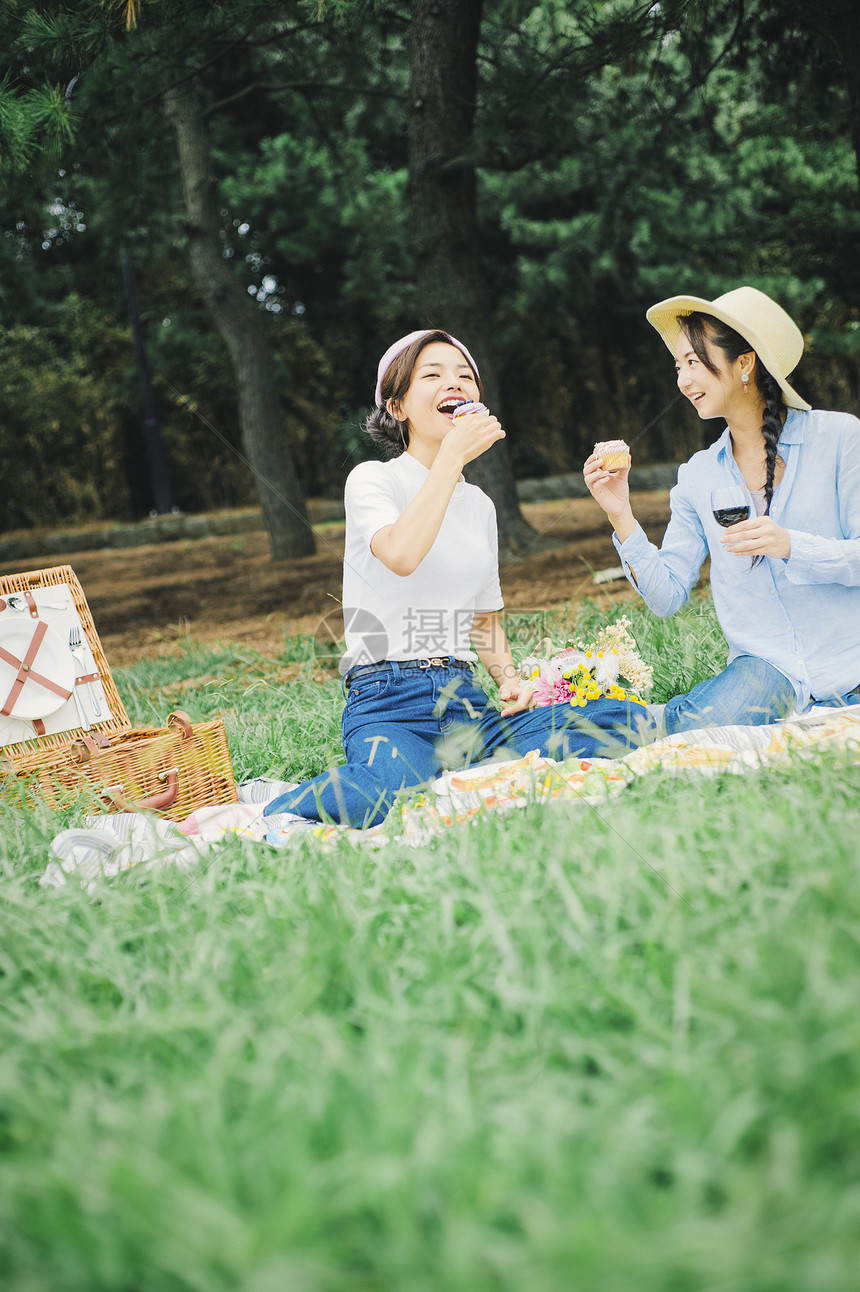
x=76 y=646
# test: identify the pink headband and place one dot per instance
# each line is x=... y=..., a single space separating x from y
x=399 y=346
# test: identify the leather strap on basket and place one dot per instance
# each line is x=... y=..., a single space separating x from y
x=26 y=673
x=87 y=746
x=31 y=603
x=179 y=718
x=154 y=802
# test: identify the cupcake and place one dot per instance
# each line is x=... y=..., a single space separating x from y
x=615 y=454
x=469 y=406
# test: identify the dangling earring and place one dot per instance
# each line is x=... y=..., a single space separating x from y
x=745 y=378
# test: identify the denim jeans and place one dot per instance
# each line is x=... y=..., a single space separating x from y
x=402 y=727
x=750 y=691
x=839 y=701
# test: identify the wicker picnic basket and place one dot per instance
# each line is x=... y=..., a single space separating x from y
x=35 y=582
x=171 y=770
x=108 y=766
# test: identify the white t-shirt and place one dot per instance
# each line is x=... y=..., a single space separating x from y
x=429 y=612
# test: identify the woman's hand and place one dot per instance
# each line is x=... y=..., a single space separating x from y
x=403 y=545
x=759 y=536
x=612 y=492
x=516 y=696
x=494 y=652
x=470 y=436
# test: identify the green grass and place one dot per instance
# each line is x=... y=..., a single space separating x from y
x=560 y=1049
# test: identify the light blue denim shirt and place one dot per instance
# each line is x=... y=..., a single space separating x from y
x=801 y=614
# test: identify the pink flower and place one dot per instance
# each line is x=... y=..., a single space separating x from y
x=551 y=688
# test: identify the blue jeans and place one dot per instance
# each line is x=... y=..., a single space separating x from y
x=750 y=691
x=839 y=701
x=402 y=727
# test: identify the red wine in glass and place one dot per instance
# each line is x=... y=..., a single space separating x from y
x=730 y=505
x=726 y=516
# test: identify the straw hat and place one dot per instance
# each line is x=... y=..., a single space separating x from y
x=776 y=339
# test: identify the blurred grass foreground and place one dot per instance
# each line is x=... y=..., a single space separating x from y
x=556 y=1049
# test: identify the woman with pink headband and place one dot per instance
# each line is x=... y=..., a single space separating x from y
x=421 y=598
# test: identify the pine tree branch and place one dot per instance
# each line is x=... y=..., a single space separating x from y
x=304 y=85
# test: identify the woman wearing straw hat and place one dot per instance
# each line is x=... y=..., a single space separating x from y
x=786 y=579
x=421 y=598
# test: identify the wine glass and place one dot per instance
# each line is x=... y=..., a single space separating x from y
x=730 y=505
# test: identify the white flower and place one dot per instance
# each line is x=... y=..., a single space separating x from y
x=607 y=668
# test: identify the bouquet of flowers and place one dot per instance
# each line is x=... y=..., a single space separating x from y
x=577 y=672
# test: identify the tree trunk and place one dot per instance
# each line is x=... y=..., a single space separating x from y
x=244 y=333
x=443 y=43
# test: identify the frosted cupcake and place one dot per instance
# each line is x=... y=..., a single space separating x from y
x=469 y=406
x=615 y=454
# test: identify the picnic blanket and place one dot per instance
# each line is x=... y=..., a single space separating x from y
x=104 y=846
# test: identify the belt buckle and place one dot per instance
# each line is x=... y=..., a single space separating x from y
x=438 y=662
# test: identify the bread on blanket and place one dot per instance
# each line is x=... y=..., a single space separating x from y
x=501 y=775
x=703 y=756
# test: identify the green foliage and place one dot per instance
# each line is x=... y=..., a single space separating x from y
x=625 y=152
x=57 y=431
x=668 y=191
x=14 y=128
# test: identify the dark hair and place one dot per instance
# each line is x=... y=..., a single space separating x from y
x=704 y=330
x=392 y=435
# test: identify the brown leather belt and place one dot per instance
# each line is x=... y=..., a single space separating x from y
x=433 y=661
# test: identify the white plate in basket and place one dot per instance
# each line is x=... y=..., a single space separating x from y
x=53 y=660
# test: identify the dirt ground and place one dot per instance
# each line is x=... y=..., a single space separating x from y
x=146 y=601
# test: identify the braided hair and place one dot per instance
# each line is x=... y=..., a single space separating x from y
x=771 y=426
x=704 y=330
x=384 y=429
